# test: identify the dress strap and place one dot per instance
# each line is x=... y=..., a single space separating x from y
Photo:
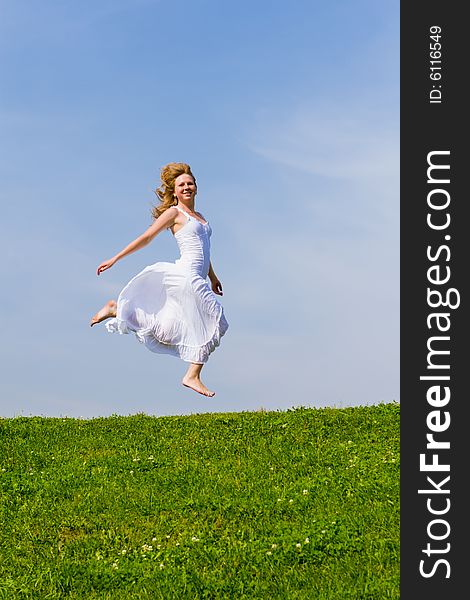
x=182 y=210
x=190 y=216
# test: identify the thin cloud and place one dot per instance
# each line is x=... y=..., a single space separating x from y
x=335 y=147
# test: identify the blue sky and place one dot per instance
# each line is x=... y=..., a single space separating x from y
x=288 y=114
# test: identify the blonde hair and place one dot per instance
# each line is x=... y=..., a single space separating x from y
x=166 y=192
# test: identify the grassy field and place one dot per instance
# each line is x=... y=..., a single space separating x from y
x=297 y=504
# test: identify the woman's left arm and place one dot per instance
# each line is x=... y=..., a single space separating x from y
x=216 y=285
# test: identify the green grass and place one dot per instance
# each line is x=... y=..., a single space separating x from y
x=297 y=504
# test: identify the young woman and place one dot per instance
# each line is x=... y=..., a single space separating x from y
x=170 y=306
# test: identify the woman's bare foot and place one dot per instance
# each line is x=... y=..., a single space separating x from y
x=108 y=311
x=196 y=384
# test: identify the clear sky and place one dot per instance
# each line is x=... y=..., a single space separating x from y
x=287 y=112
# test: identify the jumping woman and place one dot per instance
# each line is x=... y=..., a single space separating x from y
x=170 y=307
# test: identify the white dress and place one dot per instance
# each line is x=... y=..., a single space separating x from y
x=170 y=306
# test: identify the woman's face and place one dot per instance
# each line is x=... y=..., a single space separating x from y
x=185 y=188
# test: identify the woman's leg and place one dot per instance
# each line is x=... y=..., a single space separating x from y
x=192 y=380
x=108 y=311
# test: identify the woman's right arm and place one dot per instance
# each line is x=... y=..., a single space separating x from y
x=165 y=220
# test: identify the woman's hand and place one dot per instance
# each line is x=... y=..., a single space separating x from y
x=107 y=264
x=217 y=287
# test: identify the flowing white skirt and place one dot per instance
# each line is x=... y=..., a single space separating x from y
x=172 y=311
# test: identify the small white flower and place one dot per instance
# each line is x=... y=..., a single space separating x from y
x=269 y=552
x=298 y=545
x=323 y=530
x=135 y=459
x=115 y=565
x=195 y=539
x=307 y=541
x=161 y=565
x=290 y=501
x=154 y=539
x=304 y=492
x=274 y=546
x=167 y=537
x=279 y=499
x=123 y=551
x=131 y=472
